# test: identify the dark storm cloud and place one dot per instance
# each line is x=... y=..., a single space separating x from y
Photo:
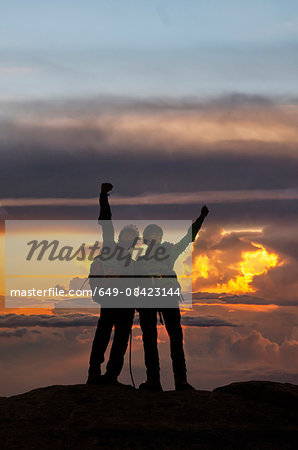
x=58 y=172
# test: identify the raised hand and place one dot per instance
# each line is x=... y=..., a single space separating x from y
x=106 y=187
x=204 y=211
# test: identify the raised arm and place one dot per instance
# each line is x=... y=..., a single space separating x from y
x=198 y=223
x=190 y=235
x=105 y=214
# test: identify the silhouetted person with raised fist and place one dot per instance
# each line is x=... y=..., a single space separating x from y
x=104 y=273
x=161 y=275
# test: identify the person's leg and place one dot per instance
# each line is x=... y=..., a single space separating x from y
x=123 y=319
x=172 y=318
x=148 y=323
x=101 y=340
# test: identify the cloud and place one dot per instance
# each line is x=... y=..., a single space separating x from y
x=256 y=347
x=175 y=198
x=215 y=354
x=228 y=299
x=206 y=321
x=248 y=350
x=90 y=320
x=43 y=320
x=166 y=125
x=20 y=332
x=248 y=267
x=283 y=239
x=253 y=347
x=280 y=283
x=47 y=145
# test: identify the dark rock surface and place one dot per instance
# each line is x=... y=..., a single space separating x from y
x=246 y=415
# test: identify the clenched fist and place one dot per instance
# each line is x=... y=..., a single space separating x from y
x=106 y=187
x=204 y=211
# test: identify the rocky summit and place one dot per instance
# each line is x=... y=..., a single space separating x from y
x=245 y=415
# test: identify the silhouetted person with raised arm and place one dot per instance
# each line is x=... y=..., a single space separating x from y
x=119 y=318
x=163 y=276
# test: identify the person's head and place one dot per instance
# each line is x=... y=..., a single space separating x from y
x=128 y=236
x=151 y=233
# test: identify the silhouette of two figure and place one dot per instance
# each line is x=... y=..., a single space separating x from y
x=145 y=273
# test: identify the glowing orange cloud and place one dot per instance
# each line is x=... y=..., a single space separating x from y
x=252 y=263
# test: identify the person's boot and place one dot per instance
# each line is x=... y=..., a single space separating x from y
x=181 y=384
x=109 y=379
x=151 y=385
x=94 y=377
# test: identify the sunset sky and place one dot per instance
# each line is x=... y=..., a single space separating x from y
x=178 y=104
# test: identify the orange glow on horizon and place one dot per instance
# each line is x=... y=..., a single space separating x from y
x=28 y=311
x=248 y=307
